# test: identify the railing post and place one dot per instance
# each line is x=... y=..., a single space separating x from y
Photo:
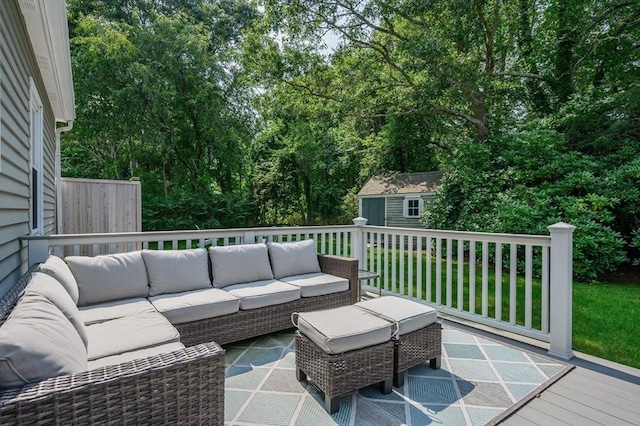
x=359 y=245
x=38 y=251
x=561 y=287
x=249 y=237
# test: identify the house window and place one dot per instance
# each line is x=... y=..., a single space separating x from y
x=36 y=118
x=413 y=207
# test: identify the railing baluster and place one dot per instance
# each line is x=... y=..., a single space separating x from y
x=386 y=262
x=174 y=244
x=485 y=279
x=472 y=277
x=371 y=253
x=513 y=277
x=323 y=245
x=528 y=286
x=498 y=272
x=449 y=278
x=419 y=267
x=460 y=282
x=393 y=263
x=337 y=245
x=410 y=267
x=429 y=299
x=345 y=245
x=544 y=326
x=379 y=254
x=439 y=271
x=402 y=261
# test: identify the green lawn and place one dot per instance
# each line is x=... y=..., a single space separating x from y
x=606 y=321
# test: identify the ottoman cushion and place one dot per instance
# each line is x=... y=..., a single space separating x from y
x=344 y=329
x=409 y=315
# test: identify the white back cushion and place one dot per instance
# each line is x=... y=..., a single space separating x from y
x=175 y=271
x=58 y=269
x=293 y=258
x=110 y=277
x=51 y=289
x=37 y=342
x=239 y=264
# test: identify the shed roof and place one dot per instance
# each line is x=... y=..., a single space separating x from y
x=407 y=183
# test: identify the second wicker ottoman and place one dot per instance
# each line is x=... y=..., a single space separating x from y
x=342 y=350
x=419 y=336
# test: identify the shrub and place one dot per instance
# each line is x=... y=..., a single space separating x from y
x=524 y=182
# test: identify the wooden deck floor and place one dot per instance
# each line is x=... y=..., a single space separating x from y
x=595 y=392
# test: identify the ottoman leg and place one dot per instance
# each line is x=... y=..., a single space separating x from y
x=386 y=386
x=300 y=375
x=434 y=363
x=398 y=379
x=331 y=404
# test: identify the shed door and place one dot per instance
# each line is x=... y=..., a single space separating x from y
x=373 y=210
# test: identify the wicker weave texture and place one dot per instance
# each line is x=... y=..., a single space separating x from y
x=417 y=347
x=340 y=374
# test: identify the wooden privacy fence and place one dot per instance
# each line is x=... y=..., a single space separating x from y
x=93 y=206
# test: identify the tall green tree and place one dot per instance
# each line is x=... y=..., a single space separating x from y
x=159 y=95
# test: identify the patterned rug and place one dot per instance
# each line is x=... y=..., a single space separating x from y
x=480 y=382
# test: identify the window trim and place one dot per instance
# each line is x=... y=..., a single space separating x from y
x=406 y=208
x=36 y=148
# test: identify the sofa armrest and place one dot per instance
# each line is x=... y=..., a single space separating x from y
x=343 y=267
x=185 y=386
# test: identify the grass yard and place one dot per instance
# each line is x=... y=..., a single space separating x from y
x=606 y=321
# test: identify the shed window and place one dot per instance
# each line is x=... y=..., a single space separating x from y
x=35 y=145
x=413 y=207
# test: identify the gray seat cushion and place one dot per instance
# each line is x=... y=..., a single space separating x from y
x=344 y=329
x=175 y=271
x=409 y=315
x=297 y=258
x=130 y=356
x=107 y=311
x=50 y=288
x=238 y=264
x=195 y=305
x=263 y=293
x=129 y=333
x=37 y=342
x=58 y=269
x=109 y=277
x=317 y=284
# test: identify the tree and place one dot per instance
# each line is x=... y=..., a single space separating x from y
x=159 y=95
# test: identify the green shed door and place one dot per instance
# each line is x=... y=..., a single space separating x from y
x=373 y=210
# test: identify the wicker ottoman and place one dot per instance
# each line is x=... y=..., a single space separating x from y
x=342 y=350
x=419 y=336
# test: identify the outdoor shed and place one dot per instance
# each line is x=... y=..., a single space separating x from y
x=397 y=200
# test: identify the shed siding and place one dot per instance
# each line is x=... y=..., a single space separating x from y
x=17 y=64
x=395 y=212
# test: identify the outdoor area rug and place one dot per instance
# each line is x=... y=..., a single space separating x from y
x=480 y=382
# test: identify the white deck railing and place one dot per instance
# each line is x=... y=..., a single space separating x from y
x=518 y=283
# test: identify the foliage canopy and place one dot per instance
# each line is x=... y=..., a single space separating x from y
x=237 y=113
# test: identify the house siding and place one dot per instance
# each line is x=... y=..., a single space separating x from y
x=395 y=212
x=17 y=65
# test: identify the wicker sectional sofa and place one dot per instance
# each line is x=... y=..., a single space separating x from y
x=133 y=338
